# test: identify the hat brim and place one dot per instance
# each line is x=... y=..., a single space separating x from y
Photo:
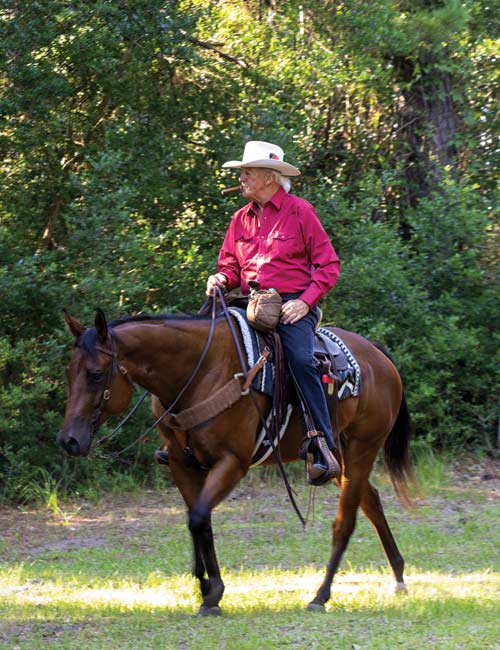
x=279 y=165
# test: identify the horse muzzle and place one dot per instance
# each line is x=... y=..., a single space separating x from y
x=74 y=445
x=70 y=445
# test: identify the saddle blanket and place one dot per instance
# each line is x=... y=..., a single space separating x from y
x=327 y=343
x=346 y=366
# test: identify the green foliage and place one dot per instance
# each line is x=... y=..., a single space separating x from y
x=429 y=302
x=114 y=120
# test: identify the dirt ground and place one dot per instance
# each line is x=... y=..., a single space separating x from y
x=27 y=533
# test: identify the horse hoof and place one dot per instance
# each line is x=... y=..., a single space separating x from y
x=400 y=588
x=209 y=611
x=315 y=607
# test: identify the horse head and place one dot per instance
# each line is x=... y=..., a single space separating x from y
x=98 y=386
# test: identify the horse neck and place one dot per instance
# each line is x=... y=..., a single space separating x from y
x=161 y=355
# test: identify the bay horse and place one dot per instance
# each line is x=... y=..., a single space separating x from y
x=159 y=353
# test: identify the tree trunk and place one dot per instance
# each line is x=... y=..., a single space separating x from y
x=48 y=241
x=428 y=126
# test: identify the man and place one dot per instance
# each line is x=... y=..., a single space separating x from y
x=278 y=241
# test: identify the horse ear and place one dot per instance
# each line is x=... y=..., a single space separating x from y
x=74 y=326
x=101 y=325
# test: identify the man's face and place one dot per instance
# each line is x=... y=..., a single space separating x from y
x=255 y=182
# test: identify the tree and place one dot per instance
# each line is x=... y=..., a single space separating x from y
x=115 y=118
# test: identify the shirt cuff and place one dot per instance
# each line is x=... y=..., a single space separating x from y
x=232 y=279
x=310 y=297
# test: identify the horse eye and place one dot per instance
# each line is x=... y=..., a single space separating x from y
x=96 y=377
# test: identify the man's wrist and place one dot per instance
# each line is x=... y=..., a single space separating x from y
x=305 y=302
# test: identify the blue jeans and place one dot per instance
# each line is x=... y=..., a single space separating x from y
x=298 y=344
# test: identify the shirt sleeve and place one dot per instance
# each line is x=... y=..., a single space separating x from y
x=324 y=261
x=228 y=262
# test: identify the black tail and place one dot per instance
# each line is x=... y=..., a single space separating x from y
x=396 y=453
x=397 y=447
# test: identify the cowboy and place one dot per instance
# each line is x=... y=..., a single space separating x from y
x=278 y=241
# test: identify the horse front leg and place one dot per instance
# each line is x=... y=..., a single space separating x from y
x=189 y=479
x=199 y=571
x=206 y=567
x=220 y=480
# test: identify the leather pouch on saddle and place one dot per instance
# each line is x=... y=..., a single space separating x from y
x=314 y=447
x=264 y=308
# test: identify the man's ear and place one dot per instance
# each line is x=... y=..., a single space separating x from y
x=101 y=325
x=74 y=326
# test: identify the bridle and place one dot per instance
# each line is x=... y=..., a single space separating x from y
x=111 y=371
x=115 y=367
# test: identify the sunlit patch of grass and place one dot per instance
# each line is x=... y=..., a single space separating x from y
x=158 y=613
x=272 y=589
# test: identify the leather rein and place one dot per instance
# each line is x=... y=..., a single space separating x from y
x=225 y=397
x=107 y=391
x=174 y=420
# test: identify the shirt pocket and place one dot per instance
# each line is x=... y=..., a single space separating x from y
x=246 y=248
x=286 y=244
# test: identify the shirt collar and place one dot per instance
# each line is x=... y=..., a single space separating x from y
x=276 y=200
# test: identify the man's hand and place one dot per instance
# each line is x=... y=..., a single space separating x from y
x=293 y=310
x=217 y=280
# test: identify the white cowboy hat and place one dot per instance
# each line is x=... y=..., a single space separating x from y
x=264 y=154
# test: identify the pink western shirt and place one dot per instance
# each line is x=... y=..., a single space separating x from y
x=287 y=249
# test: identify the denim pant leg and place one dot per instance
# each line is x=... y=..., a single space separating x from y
x=298 y=344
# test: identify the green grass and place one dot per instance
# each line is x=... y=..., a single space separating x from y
x=116 y=574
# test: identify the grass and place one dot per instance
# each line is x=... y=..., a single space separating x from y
x=116 y=574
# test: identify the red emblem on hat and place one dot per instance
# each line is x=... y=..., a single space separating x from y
x=273 y=156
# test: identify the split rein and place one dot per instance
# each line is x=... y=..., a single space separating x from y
x=238 y=391
x=107 y=392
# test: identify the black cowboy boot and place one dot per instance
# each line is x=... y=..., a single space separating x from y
x=161 y=456
x=321 y=464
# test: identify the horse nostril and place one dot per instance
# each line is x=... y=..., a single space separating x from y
x=73 y=446
x=70 y=445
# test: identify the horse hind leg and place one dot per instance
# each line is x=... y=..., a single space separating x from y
x=343 y=527
x=372 y=507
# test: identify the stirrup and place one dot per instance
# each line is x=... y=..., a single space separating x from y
x=318 y=473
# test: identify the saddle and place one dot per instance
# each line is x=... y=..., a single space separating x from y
x=337 y=366
x=334 y=360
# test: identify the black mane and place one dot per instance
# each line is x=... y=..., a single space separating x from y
x=88 y=340
x=156 y=317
